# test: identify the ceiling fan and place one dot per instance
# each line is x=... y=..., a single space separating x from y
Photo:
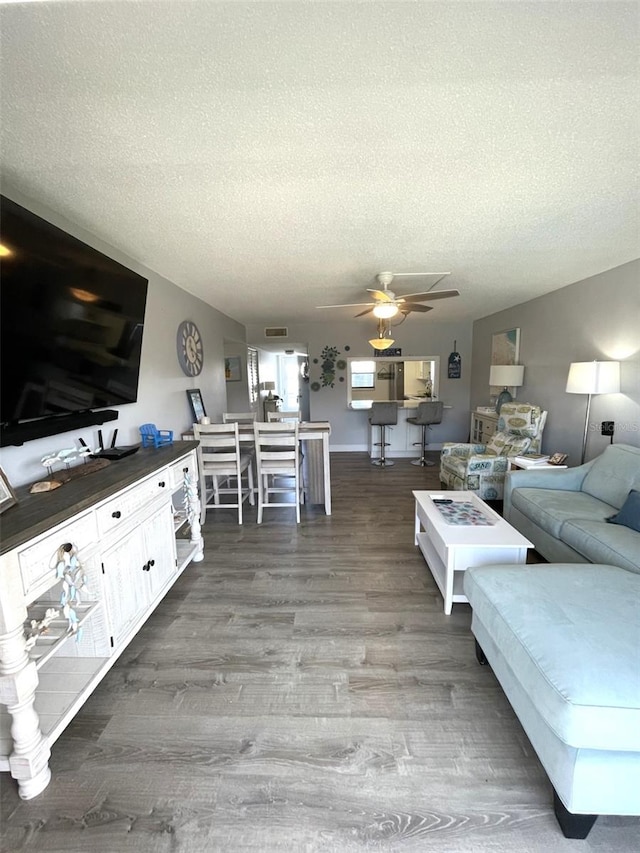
x=387 y=304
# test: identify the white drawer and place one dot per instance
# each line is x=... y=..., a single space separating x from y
x=38 y=561
x=119 y=511
x=178 y=470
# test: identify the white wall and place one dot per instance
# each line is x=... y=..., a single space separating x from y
x=161 y=392
x=597 y=318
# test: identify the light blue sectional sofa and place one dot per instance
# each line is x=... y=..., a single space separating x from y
x=563 y=638
x=564 y=512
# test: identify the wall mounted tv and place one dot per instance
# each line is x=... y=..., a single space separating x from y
x=71 y=329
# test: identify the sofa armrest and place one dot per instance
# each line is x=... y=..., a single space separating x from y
x=569 y=479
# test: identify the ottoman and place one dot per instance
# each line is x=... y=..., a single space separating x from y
x=564 y=642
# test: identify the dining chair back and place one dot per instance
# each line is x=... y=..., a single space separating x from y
x=238 y=417
x=279 y=466
x=223 y=463
x=284 y=416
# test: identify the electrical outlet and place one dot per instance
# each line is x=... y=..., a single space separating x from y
x=606 y=428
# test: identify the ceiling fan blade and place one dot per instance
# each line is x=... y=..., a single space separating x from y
x=366 y=311
x=347 y=305
x=428 y=296
x=381 y=295
x=437 y=275
x=415 y=306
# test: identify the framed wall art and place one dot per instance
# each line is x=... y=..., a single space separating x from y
x=232 y=368
x=7 y=495
x=197 y=406
x=505 y=349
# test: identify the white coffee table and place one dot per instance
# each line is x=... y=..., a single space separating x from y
x=450 y=549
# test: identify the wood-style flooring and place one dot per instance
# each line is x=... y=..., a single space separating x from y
x=302 y=690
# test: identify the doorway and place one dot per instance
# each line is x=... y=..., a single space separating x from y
x=293 y=384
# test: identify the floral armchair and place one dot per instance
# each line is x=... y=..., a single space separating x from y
x=481 y=468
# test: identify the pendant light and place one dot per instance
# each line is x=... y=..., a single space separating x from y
x=384 y=339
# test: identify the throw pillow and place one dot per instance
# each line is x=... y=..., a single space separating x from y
x=517 y=445
x=629 y=513
x=519 y=419
x=506 y=444
x=497 y=443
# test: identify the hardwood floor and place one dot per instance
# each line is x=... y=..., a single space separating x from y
x=301 y=690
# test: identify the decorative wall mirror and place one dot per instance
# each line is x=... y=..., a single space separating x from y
x=383 y=379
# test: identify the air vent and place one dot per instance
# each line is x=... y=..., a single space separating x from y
x=276 y=332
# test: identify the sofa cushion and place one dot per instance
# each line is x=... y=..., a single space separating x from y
x=629 y=515
x=569 y=634
x=613 y=474
x=600 y=542
x=551 y=508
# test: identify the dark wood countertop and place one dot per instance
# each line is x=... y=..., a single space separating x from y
x=35 y=514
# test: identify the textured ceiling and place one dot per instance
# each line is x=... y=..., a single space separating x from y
x=271 y=157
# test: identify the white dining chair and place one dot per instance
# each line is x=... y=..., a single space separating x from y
x=279 y=466
x=238 y=417
x=221 y=460
x=284 y=416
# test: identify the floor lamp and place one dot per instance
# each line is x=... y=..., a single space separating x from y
x=592 y=377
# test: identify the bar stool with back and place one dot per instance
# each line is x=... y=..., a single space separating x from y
x=427 y=414
x=383 y=415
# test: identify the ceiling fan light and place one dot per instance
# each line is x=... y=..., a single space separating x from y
x=385 y=310
x=381 y=343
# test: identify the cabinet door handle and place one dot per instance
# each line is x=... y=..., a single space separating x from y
x=185 y=470
x=145 y=568
x=116 y=514
x=152 y=563
x=161 y=484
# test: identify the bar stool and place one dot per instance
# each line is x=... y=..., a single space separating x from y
x=428 y=413
x=383 y=415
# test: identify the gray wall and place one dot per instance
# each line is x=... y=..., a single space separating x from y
x=417 y=336
x=597 y=318
x=237 y=391
x=161 y=392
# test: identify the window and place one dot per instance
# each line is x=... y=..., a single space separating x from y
x=363 y=374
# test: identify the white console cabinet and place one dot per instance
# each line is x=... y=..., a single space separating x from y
x=483 y=426
x=125 y=523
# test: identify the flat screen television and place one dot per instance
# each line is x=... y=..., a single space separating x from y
x=71 y=324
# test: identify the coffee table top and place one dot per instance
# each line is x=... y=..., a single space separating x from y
x=498 y=534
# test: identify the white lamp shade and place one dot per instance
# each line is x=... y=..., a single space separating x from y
x=385 y=310
x=381 y=343
x=506 y=375
x=594 y=377
x=268 y=386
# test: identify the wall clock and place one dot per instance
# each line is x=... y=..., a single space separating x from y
x=189 y=346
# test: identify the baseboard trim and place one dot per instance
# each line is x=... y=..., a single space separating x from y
x=397 y=454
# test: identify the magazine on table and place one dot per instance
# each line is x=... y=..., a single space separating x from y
x=532 y=458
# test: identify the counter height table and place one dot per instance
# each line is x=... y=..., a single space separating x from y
x=316 y=464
